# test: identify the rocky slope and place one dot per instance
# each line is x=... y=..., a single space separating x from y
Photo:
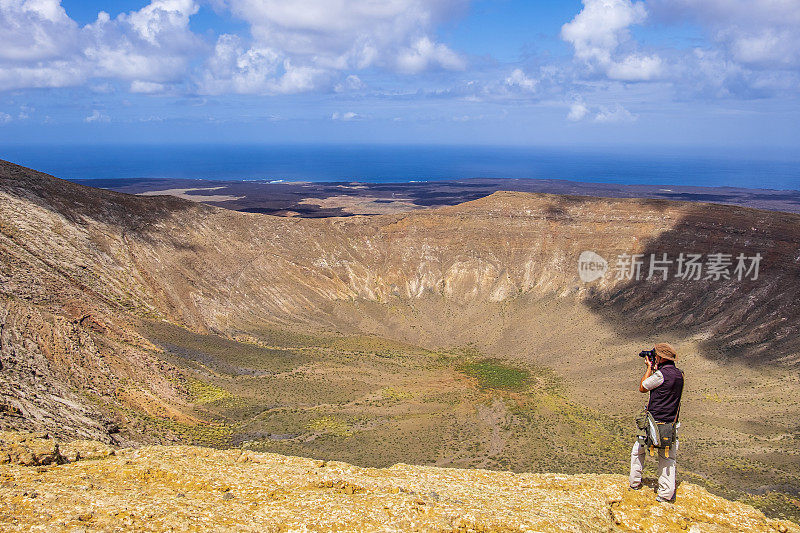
x=183 y=488
x=89 y=253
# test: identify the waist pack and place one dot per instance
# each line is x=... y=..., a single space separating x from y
x=654 y=434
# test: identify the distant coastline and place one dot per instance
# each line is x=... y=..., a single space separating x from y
x=346 y=198
x=777 y=170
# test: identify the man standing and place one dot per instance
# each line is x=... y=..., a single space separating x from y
x=664 y=382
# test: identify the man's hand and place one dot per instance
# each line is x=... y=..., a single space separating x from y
x=647 y=374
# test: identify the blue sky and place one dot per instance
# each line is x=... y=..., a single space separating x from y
x=721 y=73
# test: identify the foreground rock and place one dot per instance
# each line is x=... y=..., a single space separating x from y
x=40 y=449
x=182 y=488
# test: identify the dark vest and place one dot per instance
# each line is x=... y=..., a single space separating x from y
x=665 y=399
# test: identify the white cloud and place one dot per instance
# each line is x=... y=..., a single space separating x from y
x=35 y=30
x=232 y=68
x=339 y=33
x=752 y=47
x=153 y=44
x=297 y=79
x=601 y=39
x=755 y=33
x=614 y=114
x=713 y=73
x=96 y=116
x=519 y=79
x=346 y=116
x=147 y=87
x=577 y=112
x=255 y=70
x=635 y=67
x=162 y=18
x=58 y=73
x=40 y=46
x=424 y=53
x=580 y=111
x=350 y=83
x=5 y=118
x=306 y=44
x=764 y=47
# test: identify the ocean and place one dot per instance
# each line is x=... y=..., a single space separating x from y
x=380 y=163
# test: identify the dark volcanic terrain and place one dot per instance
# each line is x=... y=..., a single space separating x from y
x=456 y=336
x=324 y=199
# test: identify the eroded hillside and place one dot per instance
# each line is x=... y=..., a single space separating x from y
x=66 y=245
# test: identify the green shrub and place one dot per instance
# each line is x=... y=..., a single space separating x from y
x=495 y=374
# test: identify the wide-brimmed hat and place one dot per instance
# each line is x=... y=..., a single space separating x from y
x=666 y=351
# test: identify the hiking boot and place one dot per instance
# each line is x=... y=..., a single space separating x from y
x=659 y=499
x=637 y=487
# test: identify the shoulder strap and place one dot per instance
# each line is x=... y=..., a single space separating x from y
x=680 y=395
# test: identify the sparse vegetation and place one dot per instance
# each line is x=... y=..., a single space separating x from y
x=202 y=392
x=330 y=425
x=495 y=374
x=393 y=394
x=372 y=403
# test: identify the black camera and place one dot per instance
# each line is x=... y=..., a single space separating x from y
x=650 y=355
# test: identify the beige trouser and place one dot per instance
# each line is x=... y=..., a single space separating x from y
x=666 y=468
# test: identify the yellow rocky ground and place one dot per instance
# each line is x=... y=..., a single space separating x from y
x=89 y=486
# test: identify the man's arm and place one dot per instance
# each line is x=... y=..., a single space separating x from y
x=652 y=379
x=647 y=374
